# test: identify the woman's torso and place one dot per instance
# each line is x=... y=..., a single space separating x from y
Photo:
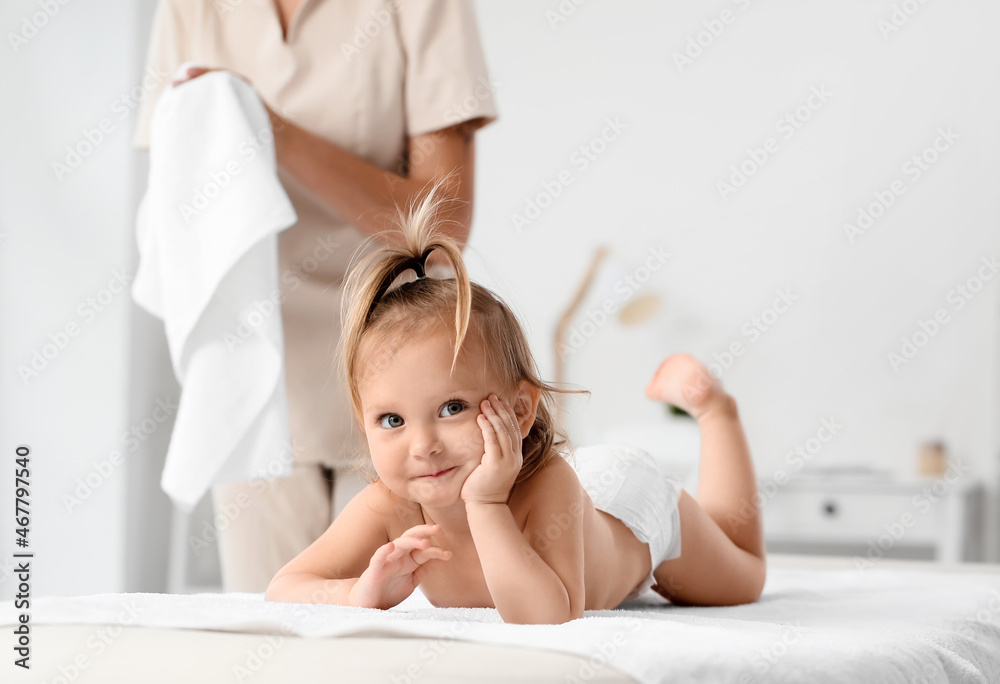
x=304 y=72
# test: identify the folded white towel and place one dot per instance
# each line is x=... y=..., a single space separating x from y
x=207 y=236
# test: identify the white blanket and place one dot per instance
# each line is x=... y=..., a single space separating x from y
x=207 y=236
x=882 y=625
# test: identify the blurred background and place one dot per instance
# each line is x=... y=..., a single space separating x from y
x=803 y=195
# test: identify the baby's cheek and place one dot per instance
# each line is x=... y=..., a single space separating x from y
x=470 y=441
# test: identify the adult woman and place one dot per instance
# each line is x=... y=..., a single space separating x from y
x=371 y=102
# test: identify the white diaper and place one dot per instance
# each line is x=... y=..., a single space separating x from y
x=631 y=485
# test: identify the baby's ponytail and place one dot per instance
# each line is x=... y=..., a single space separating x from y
x=367 y=293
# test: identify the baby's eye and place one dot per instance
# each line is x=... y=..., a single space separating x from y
x=390 y=420
x=452 y=407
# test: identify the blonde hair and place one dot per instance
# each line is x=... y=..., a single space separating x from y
x=455 y=304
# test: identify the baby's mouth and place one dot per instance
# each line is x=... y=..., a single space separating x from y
x=440 y=472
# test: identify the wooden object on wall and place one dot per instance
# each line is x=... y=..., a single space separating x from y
x=566 y=320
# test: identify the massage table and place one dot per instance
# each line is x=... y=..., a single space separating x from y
x=820 y=619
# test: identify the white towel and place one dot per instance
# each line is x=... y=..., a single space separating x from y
x=207 y=235
x=882 y=625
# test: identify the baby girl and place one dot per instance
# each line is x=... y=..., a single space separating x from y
x=475 y=500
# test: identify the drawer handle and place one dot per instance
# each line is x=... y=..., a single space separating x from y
x=830 y=509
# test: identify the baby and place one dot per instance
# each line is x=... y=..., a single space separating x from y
x=474 y=499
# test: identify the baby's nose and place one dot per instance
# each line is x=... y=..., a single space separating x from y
x=425 y=442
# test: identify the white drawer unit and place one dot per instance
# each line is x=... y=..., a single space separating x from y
x=872 y=519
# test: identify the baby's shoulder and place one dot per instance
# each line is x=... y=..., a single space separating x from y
x=554 y=468
x=555 y=475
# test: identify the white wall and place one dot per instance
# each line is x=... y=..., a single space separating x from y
x=66 y=241
x=656 y=186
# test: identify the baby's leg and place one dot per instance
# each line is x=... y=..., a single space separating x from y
x=722 y=540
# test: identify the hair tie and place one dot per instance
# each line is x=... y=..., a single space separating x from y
x=419 y=266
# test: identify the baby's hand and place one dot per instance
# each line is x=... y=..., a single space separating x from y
x=397 y=568
x=494 y=477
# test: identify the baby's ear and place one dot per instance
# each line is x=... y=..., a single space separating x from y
x=526 y=405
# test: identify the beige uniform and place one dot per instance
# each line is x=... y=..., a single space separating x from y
x=364 y=75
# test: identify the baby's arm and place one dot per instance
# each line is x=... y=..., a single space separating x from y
x=544 y=584
x=306 y=587
x=328 y=569
x=355 y=564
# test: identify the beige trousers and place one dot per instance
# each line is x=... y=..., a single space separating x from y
x=270 y=521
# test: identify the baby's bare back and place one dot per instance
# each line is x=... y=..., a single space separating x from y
x=615 y=560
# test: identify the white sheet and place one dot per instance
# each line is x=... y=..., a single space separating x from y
x=881 y=625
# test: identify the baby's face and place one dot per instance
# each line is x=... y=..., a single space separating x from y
x=420 y=419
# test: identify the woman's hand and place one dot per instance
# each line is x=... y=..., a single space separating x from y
x=492 y=480
x=195 y=72
x=397 y=568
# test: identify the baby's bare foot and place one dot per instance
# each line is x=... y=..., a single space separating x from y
x=683 y=381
